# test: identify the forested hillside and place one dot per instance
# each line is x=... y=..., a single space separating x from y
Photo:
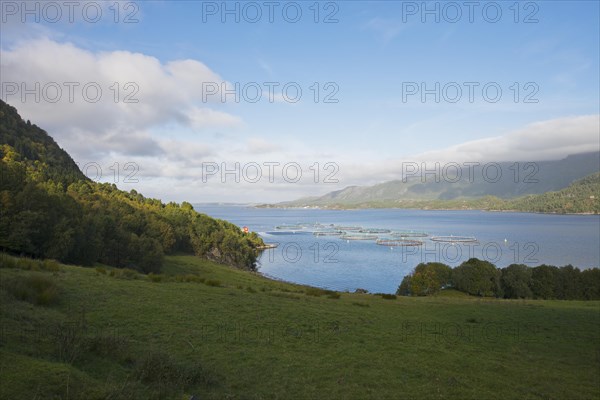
x=583 y=196
x=49 y=209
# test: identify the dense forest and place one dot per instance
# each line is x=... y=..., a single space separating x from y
x=516 y=281
x=49 y=209
x=582 y=196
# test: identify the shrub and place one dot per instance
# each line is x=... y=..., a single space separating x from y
x=36 y=289
x=250 y=289
x=50 y=265
x=108 y=345
x=101 y=270
x=127 y=273
x=284 y=295
x=69 y=341
x=28 y=264
x=387 y=296
x=47 y=296
x=7 y=261
x=334 y=295
x=155 y=277
x=213 y=282
x=315 y=292
x=189 y=278
x=161 y=371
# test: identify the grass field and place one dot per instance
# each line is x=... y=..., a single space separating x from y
x=218 y=333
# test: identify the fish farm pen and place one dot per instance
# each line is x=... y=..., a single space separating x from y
x=381 y=236
x=398 y=242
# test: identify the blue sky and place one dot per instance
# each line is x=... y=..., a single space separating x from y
x=370 y=57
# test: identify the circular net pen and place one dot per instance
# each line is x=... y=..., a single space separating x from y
x=348 y=228
x=315 y=225
x=409 y=234
x=328 y=233
x=358 y=237
x=375 y=231
x=289 y=227
x=453 y=239
x=398 y=242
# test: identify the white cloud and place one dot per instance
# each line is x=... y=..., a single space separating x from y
x=201 y=118
x=138 y=93
x=171 y=131
x=180 y=163
x=261 y=146
x=545 y=140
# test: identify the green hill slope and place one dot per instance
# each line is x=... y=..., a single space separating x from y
x=36 y=149
x=221 y=333
x=50 y=209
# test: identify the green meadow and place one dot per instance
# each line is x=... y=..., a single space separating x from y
x=215 y=332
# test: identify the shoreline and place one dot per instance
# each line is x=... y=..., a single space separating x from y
x=281 y=280
x=415 y=208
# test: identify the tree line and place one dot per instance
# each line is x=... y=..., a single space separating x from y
x=49 y=209
x=516 y=281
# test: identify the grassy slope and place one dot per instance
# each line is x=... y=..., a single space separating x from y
x=275 y=341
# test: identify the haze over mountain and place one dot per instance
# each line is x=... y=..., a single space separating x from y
x=505 y=180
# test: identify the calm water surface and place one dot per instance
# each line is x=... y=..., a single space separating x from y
x=333 y=263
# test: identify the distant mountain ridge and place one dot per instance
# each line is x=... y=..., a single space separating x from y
x=504 y=180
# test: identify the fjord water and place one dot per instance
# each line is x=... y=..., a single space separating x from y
x=332 y=263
